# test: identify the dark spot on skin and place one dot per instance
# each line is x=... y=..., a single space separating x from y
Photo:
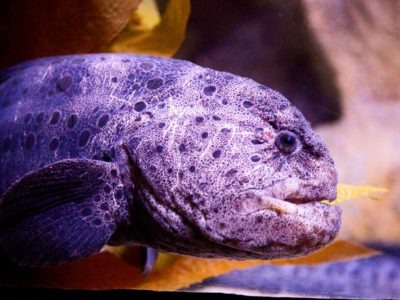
x=125 y=60
x=243 y=180
x=139 y=106
x=209 y=90
x=161 y=125
x=189 y=199
x=78 y=60
x=86 y=212
x=282 y=106
x=54 y=143
x=222 y=225
x=259 y=219
x=149 y=114
x=154 y=83
x=159 y=149
x=231 y=172
x=64 y=83
x=262 y=87
x=216 y=118
x=146 y=66
x=84 y=138
x=192 y=169
x=273 y=124
x=112 y=152
x=107 y=188
x=203 y=185
x=114 y=173
x=103 y=120
x=6 y=144
x=118 y=194
x=182 y=147
x=153 y=168
x=169 y=171
x=106 y=157
x=216 y=153
x=161 y=105
x=297 y=114
x=131 y=77
x=104 y=206
x=71 y=122
x=247 y=104
x=55 y=117
x=256 y=142
x=29 y=141
x=204 y=135
x=114 y=79
x=27 y=118
x=97 y=222
x=255 y=158
x=226 y=130
x=95 y=110
x=224 y=102
x=40 y=117
x=199 y=119
x=228 y=77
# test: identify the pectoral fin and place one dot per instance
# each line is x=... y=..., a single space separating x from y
x=148 y=259
x=61 y=212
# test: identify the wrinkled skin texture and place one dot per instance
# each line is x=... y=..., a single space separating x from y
x=201 y=155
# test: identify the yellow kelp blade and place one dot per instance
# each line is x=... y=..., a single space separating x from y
x=164 y=39
x=348 y=192
x=147 y=16
x=31 y=29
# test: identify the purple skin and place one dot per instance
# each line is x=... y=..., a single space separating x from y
x=203 y=163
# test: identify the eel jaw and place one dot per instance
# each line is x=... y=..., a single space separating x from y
x=275 y=228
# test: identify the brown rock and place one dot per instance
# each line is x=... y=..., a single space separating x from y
x=30 y=29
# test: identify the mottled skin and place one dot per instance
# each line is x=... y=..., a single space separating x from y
x=123 y=149
x=376 y=277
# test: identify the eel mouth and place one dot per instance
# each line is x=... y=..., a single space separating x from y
x=303 y=200
x=257 y=200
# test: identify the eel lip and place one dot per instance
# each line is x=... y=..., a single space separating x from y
x=328 y=193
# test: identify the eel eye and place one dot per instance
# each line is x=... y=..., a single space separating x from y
x=287 y=142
